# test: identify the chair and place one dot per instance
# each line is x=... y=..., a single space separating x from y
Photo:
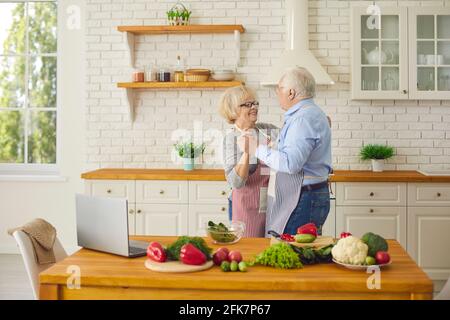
x=32 y=267
x=445 y=292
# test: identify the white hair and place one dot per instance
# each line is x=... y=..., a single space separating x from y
x=300 y=80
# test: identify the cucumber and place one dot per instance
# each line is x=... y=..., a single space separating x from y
x=304 y=238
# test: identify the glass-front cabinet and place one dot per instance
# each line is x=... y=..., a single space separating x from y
x=401 y=53
x=429 y=46
x=379 y=53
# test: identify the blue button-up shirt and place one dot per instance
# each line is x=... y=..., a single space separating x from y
x=304 y=144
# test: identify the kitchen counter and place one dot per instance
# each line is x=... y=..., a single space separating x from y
x=218 y=175
x=106 y=276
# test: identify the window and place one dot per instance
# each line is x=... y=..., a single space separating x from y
x=28 y=70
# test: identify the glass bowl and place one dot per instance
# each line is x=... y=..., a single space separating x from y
x=235 y=232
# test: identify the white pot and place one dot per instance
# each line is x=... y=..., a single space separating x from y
x=377 y=165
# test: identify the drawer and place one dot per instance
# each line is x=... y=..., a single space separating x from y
x=157 y=191
x=200 y=214
x=208 y=192
x=111 y=188
x=372 y=194
x=429 y=194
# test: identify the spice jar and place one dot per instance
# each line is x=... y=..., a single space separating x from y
x=178 y=76
x=138 y=76
x=164 y=75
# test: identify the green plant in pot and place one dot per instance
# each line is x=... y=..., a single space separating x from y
x=378 y=154
x=178 y=15
x=188 y=151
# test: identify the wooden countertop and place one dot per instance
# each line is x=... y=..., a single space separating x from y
x=218 y=175
x=105 y=276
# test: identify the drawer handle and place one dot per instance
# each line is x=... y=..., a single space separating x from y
x=438 y=194
x=224 y=193
x=372 y=194
x=161 y=192
x=131 y=211
x=371 y=211
x=139 y=211
x=109 y=191
x=224 y=209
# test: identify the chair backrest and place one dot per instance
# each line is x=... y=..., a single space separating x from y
x=32 y=267
x=445 y=292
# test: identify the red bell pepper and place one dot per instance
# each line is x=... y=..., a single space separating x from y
x=287 y=237
x=156 y=252
x=345 y=235
x=309 y=228
x=191 y=255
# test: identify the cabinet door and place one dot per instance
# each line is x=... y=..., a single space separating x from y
x=389 y=222
x=429 y=194
x=429 y=240
x=161 y=219
x=429 y=55
x=379 y=53
x=200 y=214
x=370 y=194
x=111 y=188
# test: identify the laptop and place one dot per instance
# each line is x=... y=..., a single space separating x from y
x=102 y=225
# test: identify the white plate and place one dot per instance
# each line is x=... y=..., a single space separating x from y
x=360 y=267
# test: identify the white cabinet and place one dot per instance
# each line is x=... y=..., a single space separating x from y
x=111 y=188
x=401 y=53
x=371 y=194
x=429 y=240
x=429 y=55
x=208 y=192
x=200 y=214
x=379 y=54
x=389 y=222
x=161 y=219
x=429 y=194
x=156 y=191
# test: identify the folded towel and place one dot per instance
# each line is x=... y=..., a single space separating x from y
x=43 y=236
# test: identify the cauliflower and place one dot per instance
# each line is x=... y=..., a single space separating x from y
x=350 y=250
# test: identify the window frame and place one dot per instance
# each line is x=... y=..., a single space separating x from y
x=27 y=169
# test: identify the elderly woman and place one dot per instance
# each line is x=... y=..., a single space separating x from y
x=247 y=176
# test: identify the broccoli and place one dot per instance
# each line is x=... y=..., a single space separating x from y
x=375 y=243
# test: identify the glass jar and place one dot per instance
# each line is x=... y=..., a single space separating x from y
x=138 y=75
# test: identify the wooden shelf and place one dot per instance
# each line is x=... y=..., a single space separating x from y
x=130 y=87
x=199 y=28
x=175 y=85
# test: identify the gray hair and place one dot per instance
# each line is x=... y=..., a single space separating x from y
x=300 y=80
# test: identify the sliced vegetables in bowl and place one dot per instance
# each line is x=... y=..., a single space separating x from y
x=225 y=233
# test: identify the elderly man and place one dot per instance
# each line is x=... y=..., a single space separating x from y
x=300 y=160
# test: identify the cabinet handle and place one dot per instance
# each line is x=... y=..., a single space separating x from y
x=224 y=193
x=131 y=211
x=405 y=91
x=161 y=192
x=372 y=194
x=371 y=211
x=139 y=211
x=224 y=209
x=438 y=194
x=109 y=191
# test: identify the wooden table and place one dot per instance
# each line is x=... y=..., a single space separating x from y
x=105 y=276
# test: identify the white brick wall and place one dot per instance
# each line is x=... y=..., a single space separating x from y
x=420 y=130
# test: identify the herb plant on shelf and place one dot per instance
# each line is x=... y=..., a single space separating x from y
x=178 y=15
x=377 y=153
x=188 y=151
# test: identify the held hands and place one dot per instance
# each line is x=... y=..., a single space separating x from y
x=247 y=143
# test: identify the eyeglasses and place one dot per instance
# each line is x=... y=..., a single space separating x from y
x=250 y=104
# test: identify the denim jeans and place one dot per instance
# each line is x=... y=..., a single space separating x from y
x=313 y=206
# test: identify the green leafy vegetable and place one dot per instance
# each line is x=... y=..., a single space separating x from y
x=313 y=256
x=280 y=255
x=173 y=250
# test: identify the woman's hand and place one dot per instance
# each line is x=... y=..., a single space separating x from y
x=247 y=143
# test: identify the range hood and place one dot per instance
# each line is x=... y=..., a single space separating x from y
x=297 y=51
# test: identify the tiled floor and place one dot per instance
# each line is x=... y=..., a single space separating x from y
x=14 y=284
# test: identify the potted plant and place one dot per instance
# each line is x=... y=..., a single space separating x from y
x=188 y=151
x=377 y=153
x=178 y=15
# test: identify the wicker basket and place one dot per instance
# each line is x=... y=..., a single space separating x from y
x=197 y=75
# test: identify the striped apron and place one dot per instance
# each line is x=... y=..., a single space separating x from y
x=250 y=202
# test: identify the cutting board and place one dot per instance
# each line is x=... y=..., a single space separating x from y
x=320 y=242
x=176 y=266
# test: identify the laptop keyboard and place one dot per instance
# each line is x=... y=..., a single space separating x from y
x=134 y=250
